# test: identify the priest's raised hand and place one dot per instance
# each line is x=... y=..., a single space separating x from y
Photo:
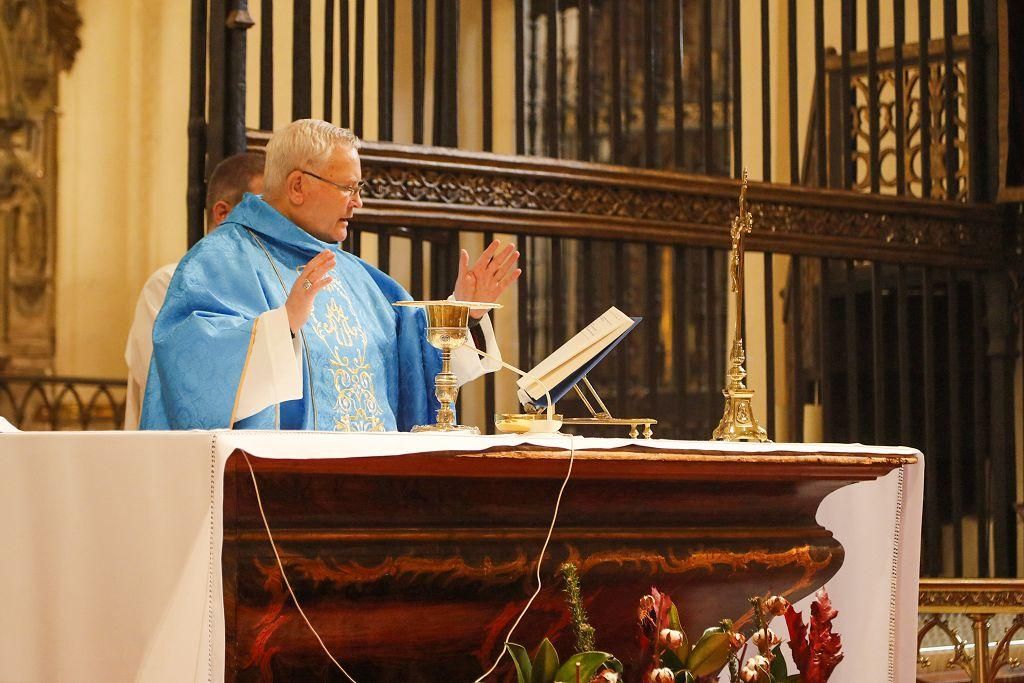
x=313 y=278
x=490 y=275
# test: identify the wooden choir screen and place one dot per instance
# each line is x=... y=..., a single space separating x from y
x=882 y=310
x=887 y=317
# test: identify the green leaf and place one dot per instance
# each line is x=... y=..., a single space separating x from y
x=524 y=669
x=590 y=662
x=795 y=678
x=683 y=651
x=672 y=661
x=778 y=671
x=673 y=618
x=710 y=653
x=545 y=664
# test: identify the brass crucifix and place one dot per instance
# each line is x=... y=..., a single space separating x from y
x=738 y=422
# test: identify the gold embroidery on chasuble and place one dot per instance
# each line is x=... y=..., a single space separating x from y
x=336 y=323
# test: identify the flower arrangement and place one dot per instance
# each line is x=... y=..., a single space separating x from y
x=667 y=656
x=665 y=649
x=583 y=667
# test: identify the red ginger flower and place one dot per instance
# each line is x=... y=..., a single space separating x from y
x=817 y=651
x=652 y=616
x=652 y=619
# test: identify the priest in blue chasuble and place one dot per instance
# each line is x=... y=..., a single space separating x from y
x=268 y=324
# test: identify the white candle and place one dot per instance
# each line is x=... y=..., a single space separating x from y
x=814 y=423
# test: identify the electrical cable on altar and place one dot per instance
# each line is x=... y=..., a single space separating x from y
x=540 y=558
x=540 y=561
x=280 y=565
x=551 y=527
x=547 y=394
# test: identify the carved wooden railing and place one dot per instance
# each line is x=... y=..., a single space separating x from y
x=993 y=610
x=440 y=187
x=37 y=402
x=903 y=147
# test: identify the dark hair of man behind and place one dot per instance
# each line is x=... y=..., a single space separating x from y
x=232 y=178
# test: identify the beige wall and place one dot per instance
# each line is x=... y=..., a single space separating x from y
x=121 y=187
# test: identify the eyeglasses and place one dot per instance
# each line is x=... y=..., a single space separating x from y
x=348 y=190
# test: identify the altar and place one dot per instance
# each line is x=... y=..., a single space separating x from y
x=143 y=556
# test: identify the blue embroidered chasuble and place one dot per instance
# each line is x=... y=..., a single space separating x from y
x=366 y=365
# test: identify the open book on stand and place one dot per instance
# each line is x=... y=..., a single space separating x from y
x=571 y=362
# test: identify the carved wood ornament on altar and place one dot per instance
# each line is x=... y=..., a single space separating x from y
x=38 y=39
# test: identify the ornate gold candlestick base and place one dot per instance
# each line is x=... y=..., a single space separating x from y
x=447 y=330
x=738 y=421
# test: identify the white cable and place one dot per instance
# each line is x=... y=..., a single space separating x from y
x=540 y=561
x=547 y=394
x=540 y=558
x=554 y=516
x=273 y=545
x=508 y=637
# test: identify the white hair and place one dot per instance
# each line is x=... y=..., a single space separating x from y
x=305 y=144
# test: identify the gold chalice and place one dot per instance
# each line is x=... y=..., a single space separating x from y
x=447 y=330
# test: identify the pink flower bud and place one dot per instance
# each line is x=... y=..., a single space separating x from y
x=647 y=617
x=661 y=676
x=670 y=638
x=756 y=670
x=736 y=640
x=776 y=605
x=765 y=646
x=606 y=676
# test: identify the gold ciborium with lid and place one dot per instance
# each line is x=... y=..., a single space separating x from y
x=447 y=330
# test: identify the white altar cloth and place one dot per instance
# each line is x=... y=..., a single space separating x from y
x=112 y=540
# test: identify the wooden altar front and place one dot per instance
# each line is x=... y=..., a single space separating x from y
x=413 y=568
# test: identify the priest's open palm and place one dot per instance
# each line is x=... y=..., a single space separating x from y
x=313 y=278
x=491 y=275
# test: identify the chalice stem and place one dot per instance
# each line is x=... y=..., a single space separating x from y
x=447 y=390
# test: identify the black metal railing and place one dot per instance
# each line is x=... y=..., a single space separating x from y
x=52 y=402
x=892 y=152
x=648 y=83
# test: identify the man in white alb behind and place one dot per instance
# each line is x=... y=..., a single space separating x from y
x=231 y=179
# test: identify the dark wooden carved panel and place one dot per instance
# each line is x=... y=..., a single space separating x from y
x=413 y=568
x=422 y=186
